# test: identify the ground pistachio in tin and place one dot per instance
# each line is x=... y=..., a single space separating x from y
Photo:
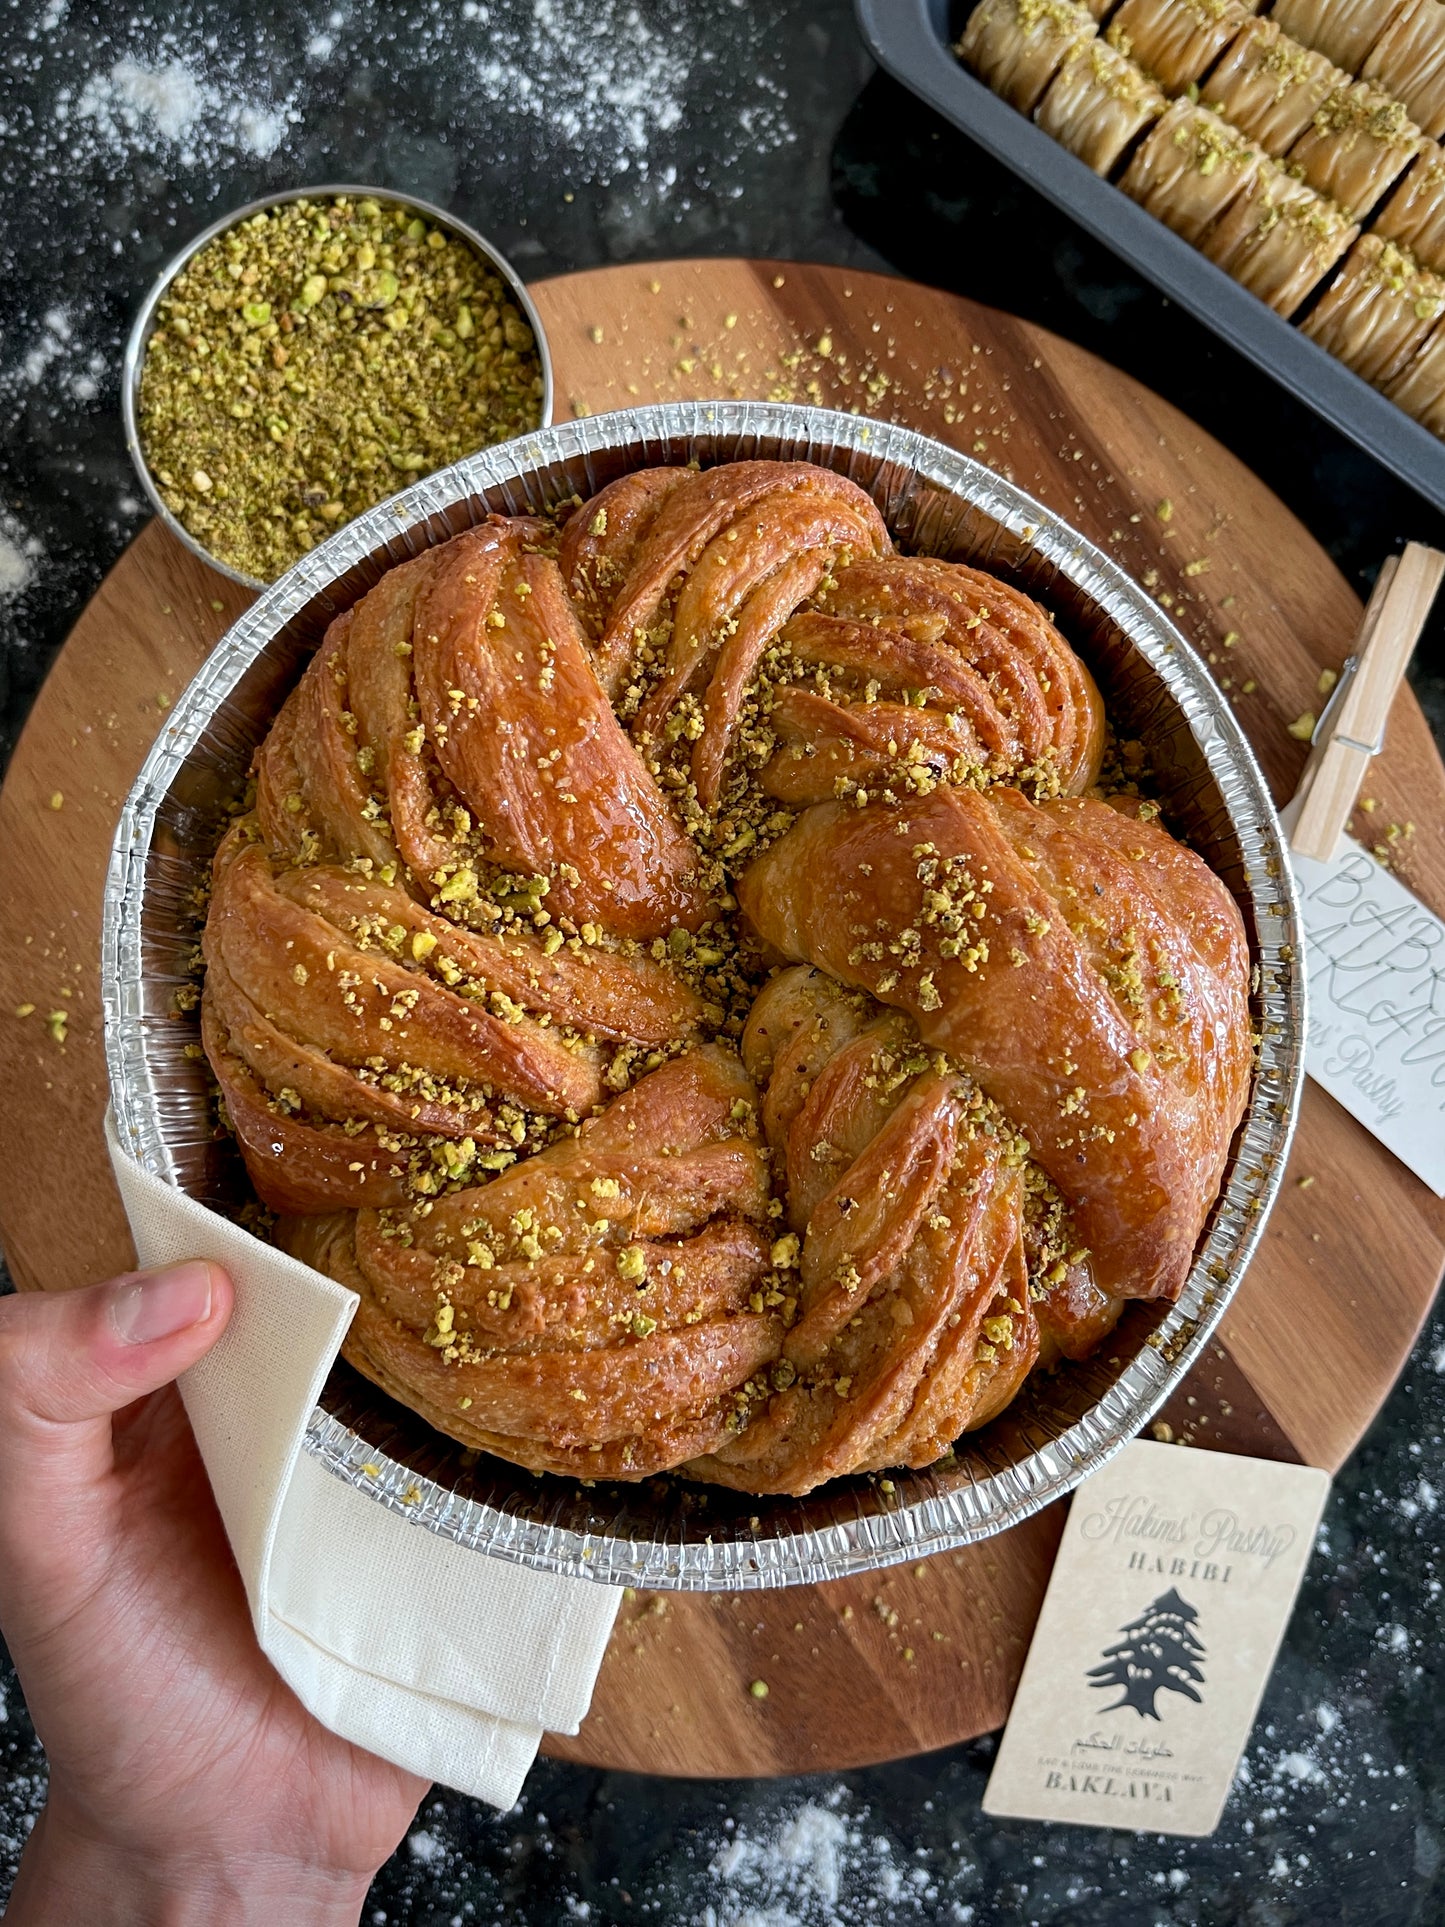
x=314 y=359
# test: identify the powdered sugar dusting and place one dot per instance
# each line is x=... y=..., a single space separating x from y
x=51 y=342
x=132 y=107
x=170 y=97
x=800 y=1863
x=799 y=1860
x=19 y=556
x=601 y=86
x=599 y=79
x=608 y=84
x=53 y=358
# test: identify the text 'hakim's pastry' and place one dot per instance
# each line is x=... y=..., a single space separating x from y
x=682 y=972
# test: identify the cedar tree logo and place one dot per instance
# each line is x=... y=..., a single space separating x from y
x=1157 y=1653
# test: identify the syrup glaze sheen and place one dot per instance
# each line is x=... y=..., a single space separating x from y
x=686 y=972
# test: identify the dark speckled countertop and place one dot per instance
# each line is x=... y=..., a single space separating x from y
x=576 y=132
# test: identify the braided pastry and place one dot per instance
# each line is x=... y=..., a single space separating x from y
x=681 y=973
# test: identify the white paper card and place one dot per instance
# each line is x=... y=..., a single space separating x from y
x=1375 y=968
x=1167 y=1604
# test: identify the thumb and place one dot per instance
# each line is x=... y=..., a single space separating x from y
x=69 y=1359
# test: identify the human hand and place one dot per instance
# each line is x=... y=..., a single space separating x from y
x=187 y=1782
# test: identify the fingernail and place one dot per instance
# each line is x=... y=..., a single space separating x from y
x=160 y=1303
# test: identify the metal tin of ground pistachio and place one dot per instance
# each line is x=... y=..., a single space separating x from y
x=268 y=340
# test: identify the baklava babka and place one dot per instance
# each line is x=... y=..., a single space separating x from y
x=682 y=970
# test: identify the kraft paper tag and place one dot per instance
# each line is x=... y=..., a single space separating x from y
x=1375 y=967
x=1163 y=1616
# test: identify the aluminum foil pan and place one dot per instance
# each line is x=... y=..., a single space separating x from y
x=666 y=1533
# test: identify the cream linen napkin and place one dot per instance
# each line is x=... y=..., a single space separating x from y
x=423 y=1651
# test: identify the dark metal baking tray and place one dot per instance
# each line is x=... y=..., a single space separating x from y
x=913 y=40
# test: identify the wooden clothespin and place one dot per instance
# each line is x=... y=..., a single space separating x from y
x=1352 y=728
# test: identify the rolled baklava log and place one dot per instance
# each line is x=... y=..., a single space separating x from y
x=1379 y=311
x=1017 y=46
x=1346 y=30
x=1280 y=239
x=1271 y=87
x=1414 y=215
x=1177 y=40
x=1190 y=169
x=1098 y=103
x=1359 y=142
x=1420 y=386
x=1409 y=60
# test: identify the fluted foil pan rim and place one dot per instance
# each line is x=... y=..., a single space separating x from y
x=874 y=1524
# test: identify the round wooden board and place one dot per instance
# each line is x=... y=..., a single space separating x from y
x=915 y=1658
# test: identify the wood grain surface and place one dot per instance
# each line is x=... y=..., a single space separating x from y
x=918 y=1657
